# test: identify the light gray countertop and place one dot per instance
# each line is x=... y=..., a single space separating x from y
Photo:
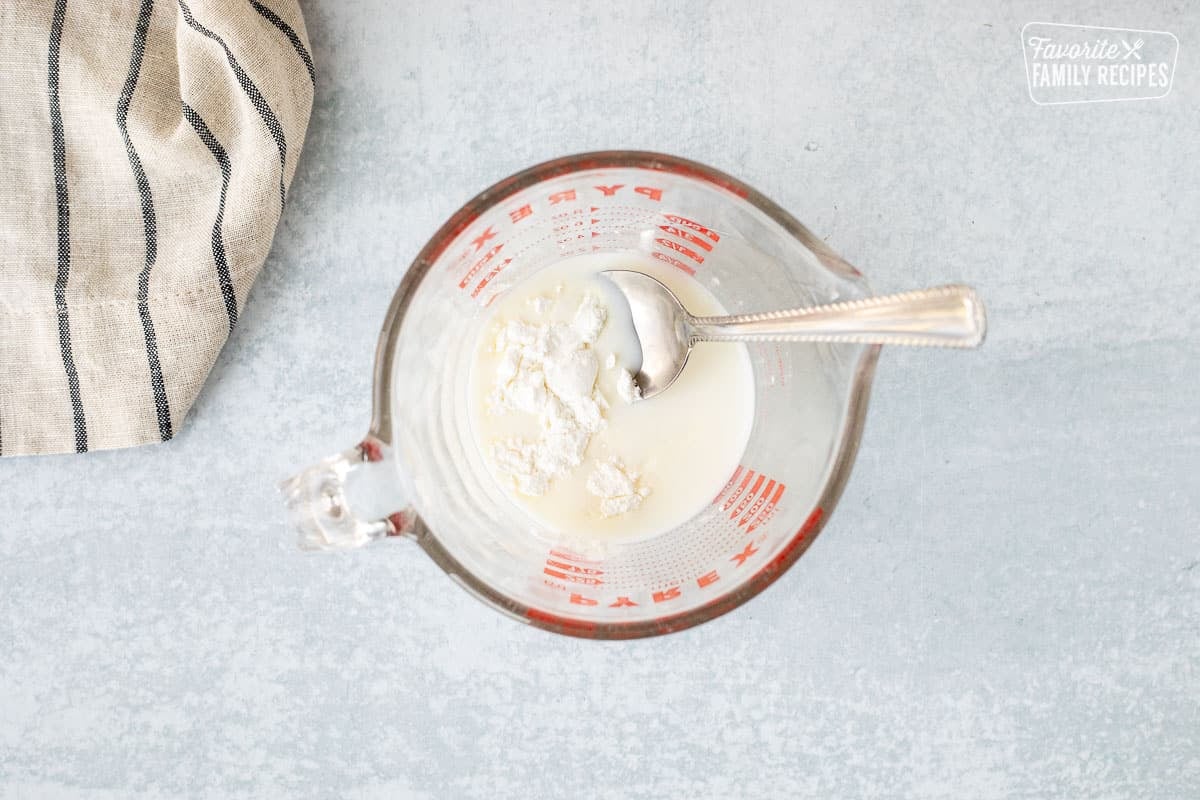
x=1006 y=603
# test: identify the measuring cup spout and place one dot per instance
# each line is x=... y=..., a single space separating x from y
x=350 y=499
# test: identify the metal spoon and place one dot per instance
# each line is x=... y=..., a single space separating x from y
x=943 y=316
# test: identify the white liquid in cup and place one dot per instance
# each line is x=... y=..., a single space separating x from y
x=682 y=445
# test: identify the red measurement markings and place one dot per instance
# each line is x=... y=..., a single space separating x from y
x=571 y=225
x=583 y=579
x=746 y=498
x=681 y=249
x=674 y=262
x=469 y=217
x=767 y=510
x=573 y=574
x=687 y=236
x=496 y=270
x=568 y=567
x=768 y=497
x=751 y=496
x=695 y=226
x=733 y=498
x=759 y=502
x=572 y=568
x=478 y=265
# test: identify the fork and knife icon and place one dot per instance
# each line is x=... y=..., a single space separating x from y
x=1132 y=49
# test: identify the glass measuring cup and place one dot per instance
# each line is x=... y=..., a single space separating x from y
x=418 y=472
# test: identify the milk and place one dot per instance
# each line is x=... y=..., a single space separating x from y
x=674 y=452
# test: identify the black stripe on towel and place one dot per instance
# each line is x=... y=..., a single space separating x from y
x=301 y=50
x=256 y=98
x=64 y=230
x=218 y=239
x=148 y=220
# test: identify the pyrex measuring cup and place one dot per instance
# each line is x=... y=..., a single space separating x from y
x=418 y=472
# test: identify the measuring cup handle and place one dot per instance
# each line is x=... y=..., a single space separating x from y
x=350 y=499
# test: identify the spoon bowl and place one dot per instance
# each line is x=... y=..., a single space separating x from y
x=942 y=316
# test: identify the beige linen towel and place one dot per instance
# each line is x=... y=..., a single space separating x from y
x=146 y=147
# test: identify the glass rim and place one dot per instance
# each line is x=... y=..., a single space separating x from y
x=849 y=437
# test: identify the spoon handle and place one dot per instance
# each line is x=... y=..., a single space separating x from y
x=943 y=316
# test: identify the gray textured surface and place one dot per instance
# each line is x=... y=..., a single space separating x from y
x=1006 y=603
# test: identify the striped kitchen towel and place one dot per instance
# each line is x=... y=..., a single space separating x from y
x=146 y=147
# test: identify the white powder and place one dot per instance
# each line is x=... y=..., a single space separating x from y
x=627 y=388
x=548 y=370
x=589 y=319
x=617 y=488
